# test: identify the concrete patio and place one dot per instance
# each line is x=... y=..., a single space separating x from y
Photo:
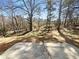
x=25 y=50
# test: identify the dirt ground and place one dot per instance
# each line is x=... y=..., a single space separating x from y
x=53 y=36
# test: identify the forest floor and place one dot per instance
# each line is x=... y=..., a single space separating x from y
x=53 y=36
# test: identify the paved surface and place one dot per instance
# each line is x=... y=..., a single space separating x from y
x=24 y=50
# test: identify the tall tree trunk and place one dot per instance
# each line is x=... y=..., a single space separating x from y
x=65 y=23
x=49 y=7
x=59 y=18
x=3 y=25
x=30 y=23
x=13 y=23
x=17 y=28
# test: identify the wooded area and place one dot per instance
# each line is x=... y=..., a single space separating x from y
x=68 y=16
x=38 y=21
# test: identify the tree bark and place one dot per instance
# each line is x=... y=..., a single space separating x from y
x=59 y=19
x=30 y=23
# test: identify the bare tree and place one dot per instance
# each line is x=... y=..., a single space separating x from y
x=10 y=8
x=30 y=7
x=68 y=4
x=49 y=7
x=59 y=17
x=3 y=21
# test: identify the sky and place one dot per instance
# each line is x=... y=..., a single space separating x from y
x=20 y=12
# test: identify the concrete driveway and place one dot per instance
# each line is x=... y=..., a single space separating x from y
x=24 y=50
